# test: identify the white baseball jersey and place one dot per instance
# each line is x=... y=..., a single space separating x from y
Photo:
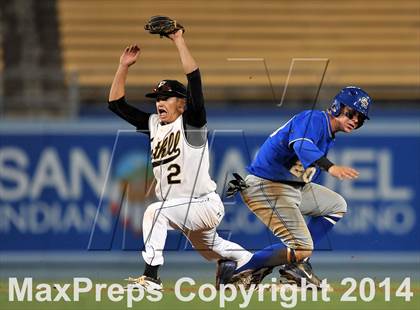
x=181 y=170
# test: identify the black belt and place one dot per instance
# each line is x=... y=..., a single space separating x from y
x=295 y=184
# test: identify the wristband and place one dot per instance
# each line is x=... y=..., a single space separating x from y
x=324 y=163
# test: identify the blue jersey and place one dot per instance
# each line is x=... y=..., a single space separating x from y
x=305 y=138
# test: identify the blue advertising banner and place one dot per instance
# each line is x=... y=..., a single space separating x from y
x=78 y=185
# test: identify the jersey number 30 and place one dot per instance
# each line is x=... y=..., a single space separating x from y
x=174 y=170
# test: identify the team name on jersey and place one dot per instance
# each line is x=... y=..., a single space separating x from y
x=167 y=149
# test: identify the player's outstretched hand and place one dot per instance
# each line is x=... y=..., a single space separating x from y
x=177 y=35
x=130 y=55
x=343 y=173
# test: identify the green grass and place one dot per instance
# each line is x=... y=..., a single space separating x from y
x=171 y=302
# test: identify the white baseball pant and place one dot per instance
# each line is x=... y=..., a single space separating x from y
x=198 y=219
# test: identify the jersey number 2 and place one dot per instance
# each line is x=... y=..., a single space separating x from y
x=176 y=170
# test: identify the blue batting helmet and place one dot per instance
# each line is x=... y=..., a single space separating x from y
x=353 y=97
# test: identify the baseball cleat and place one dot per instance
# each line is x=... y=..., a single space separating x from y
x=225 y=271
x=297 y=271
x=146 y=283
x=248 y=277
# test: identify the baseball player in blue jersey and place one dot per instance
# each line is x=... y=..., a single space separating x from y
x=279 y=190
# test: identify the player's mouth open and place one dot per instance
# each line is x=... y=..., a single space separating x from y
x=162 y=112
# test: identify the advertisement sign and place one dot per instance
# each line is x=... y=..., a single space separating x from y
x=71 y=188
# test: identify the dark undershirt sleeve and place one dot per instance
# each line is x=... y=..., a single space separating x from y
x=134 y=116
x=195 y=115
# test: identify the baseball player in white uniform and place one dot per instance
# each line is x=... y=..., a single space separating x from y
x=180 y=159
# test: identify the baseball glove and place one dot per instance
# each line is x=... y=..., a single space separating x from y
x=162 y=25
